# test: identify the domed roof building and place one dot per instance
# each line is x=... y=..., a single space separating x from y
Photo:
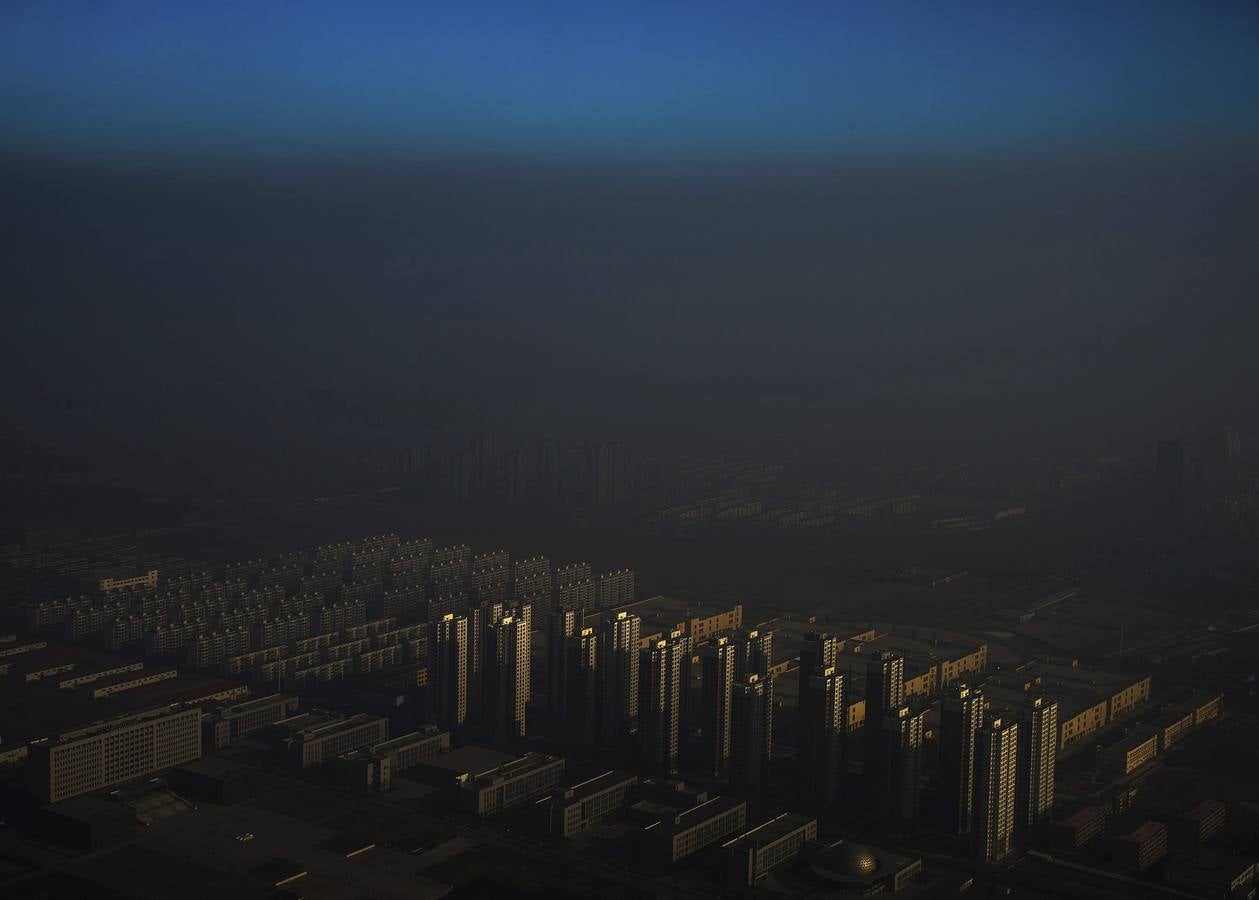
x=863 y=870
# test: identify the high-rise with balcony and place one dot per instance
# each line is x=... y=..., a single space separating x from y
x=996 y=782
x=618 y=663
x=897 y=767
x=561 y=625
x=1038 y=748
x=823 y=721
x=751 y=732
x=581 y=690
x=885 y=684
x=507 y=674
x=961 y=716
x=754 y=650
x=717 y=659
x=660 y=670
x=449 y=670
x=483 y=616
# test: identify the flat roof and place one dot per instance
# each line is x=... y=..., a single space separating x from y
x=406 y=740
x=1131 y=741
x=1204 y=809
x=242 y=706
x=527 y=763
x=1088 y=678
x=592 y=786
x=161 y=673
x=1144 y=832
x=1087 y=814
x=332 y=726
x=695 y=815
x=775 y=829
x=214 y=766
x=470 y=760
x=117 y=722
x=662 y=605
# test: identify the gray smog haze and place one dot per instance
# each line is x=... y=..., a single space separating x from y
x=864 y=309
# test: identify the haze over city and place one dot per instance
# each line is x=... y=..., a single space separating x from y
x=726 y=415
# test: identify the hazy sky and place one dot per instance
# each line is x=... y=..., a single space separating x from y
x=724 y=79
x=902 y=224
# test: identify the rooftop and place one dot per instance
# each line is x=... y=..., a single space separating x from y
x=1144 y=832
x=472 y=760
x=1204 y=809
x=406 y=740
x=1085 y=815
x=768 y=832
x=705 y=811
x=1131 y=741
x=592 y=786
x=244 y=706
x=669 y=609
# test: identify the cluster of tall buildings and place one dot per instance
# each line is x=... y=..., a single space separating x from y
x=479 y=668
x=630 y=698
x=996 y=772
x=589 y=477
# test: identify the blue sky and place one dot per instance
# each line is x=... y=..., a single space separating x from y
x=642 y=78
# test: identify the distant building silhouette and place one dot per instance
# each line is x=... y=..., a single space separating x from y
x=1169 y=477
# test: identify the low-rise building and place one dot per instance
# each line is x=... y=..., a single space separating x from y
x=1214 y=876
x=1142 y=847
x=1081 y=827
x=221 y=726
x=310 y=739
x=1128 y=754
x=571 y=810
x=692 y=830
x=754 y=853
x=1198 y=824
x=487 y=782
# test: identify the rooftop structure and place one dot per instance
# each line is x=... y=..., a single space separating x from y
x=699 y=620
